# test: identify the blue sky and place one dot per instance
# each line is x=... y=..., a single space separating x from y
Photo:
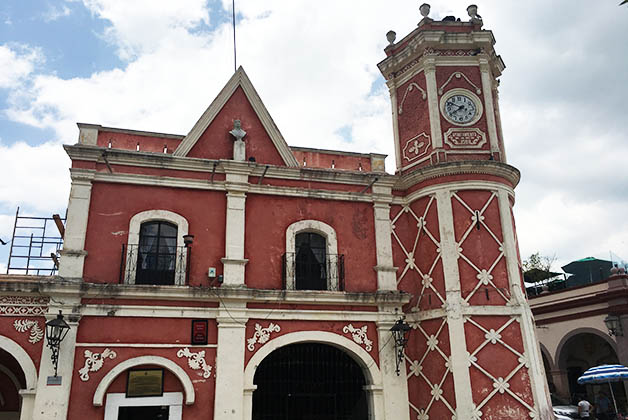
x=155 y=65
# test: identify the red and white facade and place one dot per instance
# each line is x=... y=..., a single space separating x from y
x=435 y=242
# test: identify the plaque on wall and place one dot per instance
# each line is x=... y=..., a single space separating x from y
x=145 y=383
x=465 y=138
x=199 y=331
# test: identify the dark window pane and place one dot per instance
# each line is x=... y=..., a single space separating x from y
x=156 y=261
x=149 y=228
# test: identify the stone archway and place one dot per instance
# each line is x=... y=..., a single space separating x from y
x=372 y=375
x=579 y=351
x=21 y=379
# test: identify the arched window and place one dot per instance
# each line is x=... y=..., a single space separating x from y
x=156 y=253
x=310 y=262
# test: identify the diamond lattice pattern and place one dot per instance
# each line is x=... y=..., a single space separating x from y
x=498 y=368
x=430 y=381
x=416 y=251
x=481 y=261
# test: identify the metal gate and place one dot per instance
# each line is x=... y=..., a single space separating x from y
x=309 y=381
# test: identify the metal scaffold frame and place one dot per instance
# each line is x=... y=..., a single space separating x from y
x=35 y=244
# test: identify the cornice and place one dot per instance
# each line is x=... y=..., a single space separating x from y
x=168 y=161
x=475 y=167
x=41 y=285
x=421 y=43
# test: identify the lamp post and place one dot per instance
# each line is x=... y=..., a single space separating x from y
x=400 y=334
x=56 y=330
x=613 y=323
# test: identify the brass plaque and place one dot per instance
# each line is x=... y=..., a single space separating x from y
x=145 y=383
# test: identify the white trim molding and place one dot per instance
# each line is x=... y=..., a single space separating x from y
x=174 y=400
x=372 y=374
x=314 y=226
x=134 y=240
x=176 y=370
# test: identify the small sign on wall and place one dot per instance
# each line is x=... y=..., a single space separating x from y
x=199 y=331
x=145 y=383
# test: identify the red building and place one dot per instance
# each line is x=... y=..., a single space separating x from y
x=226 y=275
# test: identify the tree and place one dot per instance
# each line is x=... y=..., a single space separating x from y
x=537 y=267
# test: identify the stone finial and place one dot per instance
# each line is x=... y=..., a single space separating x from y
x=239 y=148
x=391 y=36
x=424 y=9
x=472 y=10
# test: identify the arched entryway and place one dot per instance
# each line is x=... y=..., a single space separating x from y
x=309 y=381
x=11 y=381
x=18 y=379
x=580 y=352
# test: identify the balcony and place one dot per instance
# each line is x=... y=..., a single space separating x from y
x=301 y=272
x=165 y=266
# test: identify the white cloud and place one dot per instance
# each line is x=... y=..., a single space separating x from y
x=16 y=63
x=35 y=176
x=314 y=65
x=56 y=13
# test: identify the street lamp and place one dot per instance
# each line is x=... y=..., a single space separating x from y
x=400 y=334
x=613 y=323
x=56 y=330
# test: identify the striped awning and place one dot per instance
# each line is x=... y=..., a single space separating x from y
x=604 y=374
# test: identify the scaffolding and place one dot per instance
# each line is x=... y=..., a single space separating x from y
x=36 y=244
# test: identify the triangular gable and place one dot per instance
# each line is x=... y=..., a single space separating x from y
x=238 y=80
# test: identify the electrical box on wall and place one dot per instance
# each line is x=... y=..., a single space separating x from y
x=211 y=273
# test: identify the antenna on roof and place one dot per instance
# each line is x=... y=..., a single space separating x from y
x=235 y=68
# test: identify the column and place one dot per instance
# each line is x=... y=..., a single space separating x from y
x=432 y=101
x=229 y=401
x=487 y=89
x=73 y=253
x=386 y=272
x=395 y=386
x=28 y=403
x=52 y=401
x=237 y=185
x=453 y=307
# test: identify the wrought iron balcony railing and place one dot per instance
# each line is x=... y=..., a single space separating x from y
x=307 y=272
x=165 y=266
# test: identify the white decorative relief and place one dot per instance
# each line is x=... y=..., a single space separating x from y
x=408 y=90
x=94 y=361
x=416 y=147
x=196 y=361
x=465 y=138
x=458 y=75
x=22 y=325
x=261 y=335
x=23 y=305
x=359 y=335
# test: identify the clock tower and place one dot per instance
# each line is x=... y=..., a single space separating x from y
x=472 y=352
x=442 y=79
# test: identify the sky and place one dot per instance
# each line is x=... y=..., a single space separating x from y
x=156 y=65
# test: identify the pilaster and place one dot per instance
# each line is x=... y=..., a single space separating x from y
x=459 y=363
x=395 y=386
x=52 y=401
x=432 y=102
x=487 y=89
x=229 y=401
x=237 y=186
x=392 y=88
x=73 y=253
x=386 y=272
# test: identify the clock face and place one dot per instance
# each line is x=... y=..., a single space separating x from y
x=460 y=109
